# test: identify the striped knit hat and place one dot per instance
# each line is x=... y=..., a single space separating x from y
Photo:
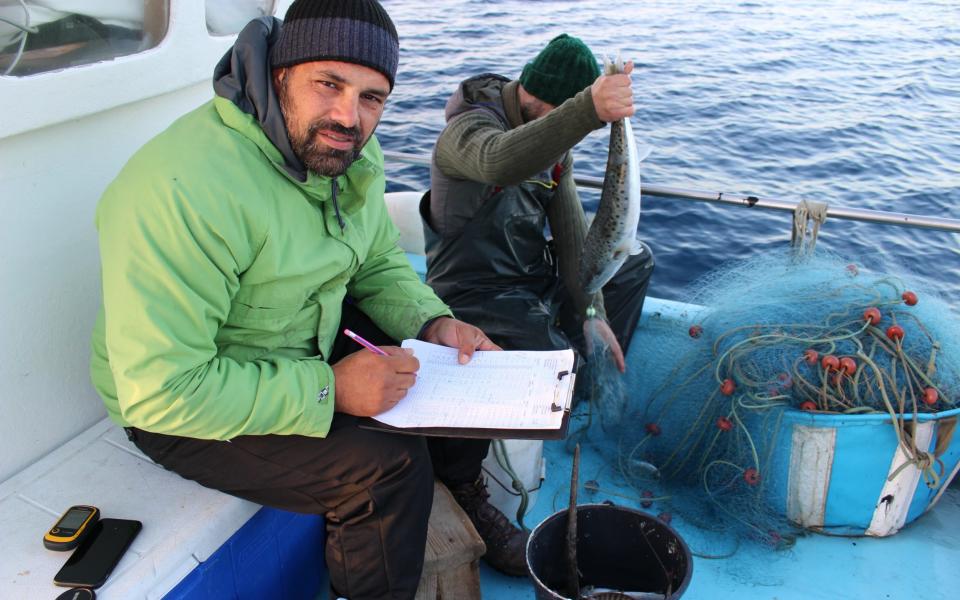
x=354 y=31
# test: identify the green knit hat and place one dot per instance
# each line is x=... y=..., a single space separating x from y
x=560 y=71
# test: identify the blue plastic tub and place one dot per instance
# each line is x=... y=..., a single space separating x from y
x=844 y=474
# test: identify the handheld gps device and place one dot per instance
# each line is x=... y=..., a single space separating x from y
x=71 y=528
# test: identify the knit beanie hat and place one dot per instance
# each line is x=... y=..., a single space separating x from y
x=354 y=31
x=560 y=71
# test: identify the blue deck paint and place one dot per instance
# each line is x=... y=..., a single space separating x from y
x=922 y=561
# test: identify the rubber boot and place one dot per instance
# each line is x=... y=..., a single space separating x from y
x=506 y=544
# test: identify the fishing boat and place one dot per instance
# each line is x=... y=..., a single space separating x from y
x=73 y=111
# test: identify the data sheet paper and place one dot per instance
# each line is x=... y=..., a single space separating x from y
x=495 y=390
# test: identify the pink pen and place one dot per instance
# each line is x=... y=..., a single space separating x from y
x=364 y=343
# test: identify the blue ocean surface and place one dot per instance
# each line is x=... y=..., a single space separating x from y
x=856 y=104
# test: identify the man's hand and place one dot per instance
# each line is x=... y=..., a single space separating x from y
x=613 y=95
x=597 y=331
x=457 y=334
x=368 y=384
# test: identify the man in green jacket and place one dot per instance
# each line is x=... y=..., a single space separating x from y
x=235 y=246
x=502 y=173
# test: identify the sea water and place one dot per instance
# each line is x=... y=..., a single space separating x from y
x=856 y=104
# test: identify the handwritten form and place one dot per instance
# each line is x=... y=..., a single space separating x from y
x=495 y=390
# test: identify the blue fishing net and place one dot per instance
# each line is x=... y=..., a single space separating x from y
x=692 y=428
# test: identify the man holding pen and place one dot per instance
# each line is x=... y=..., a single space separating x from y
x=235 y=246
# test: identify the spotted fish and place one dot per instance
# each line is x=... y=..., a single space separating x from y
x=612 y=236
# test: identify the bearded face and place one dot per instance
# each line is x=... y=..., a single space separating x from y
x=330 y=110
x=307 y=144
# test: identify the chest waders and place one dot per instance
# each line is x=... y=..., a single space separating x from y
x=498 y=272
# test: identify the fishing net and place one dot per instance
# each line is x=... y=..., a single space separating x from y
x=693 y=426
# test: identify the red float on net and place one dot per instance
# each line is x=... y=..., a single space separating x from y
x=727 y=387
x=848 y=365
x=646 y=503
x=872 y=315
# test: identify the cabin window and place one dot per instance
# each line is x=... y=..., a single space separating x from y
x=46 y=35
x=228 y=17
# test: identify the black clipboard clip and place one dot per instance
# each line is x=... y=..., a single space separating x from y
x=554 y=407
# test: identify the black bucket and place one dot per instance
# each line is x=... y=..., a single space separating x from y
x=618 y=548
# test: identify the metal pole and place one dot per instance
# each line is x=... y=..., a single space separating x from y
x=834 y=212
x=406 y=157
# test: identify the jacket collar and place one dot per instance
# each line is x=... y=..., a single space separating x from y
x=244 y=77
x=511 y=104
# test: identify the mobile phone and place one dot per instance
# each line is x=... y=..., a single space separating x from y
x=97 y=555
x=71 y=528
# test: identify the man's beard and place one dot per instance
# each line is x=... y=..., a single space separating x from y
x=323 y=159
x=315 y=155
x=530 y=111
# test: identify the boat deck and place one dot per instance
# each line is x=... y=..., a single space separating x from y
x=920 y=561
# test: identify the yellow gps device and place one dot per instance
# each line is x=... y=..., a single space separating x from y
x=71 y=528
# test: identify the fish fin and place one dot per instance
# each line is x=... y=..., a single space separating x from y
x=643 y=151
x=608 y=68
x=637 y=247
x=619 y=63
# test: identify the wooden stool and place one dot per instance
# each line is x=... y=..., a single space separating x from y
x=451 y=568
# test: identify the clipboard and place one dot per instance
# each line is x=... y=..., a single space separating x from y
x=480 y=432
x=530 y=368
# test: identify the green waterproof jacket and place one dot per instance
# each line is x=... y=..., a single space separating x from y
x=224 y=276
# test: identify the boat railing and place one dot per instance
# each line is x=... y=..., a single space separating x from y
x=833 y=212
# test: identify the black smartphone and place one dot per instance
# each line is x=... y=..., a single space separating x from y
x=97 y=555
